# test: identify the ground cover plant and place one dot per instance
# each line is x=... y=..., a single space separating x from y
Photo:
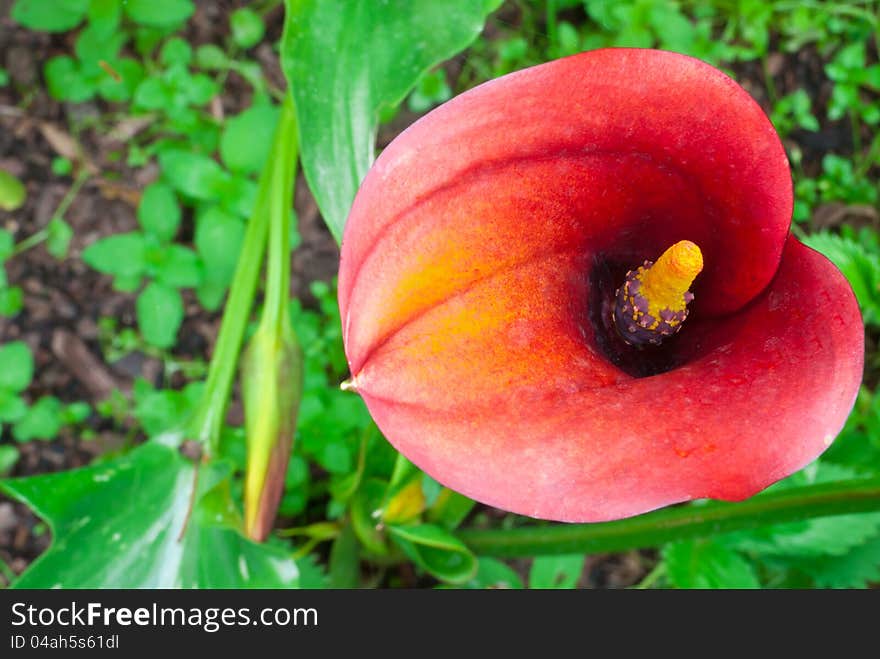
x=175 y=178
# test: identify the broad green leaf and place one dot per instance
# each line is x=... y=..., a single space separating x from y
x=8 y=457
x=707 y=564
x=175 y=51
x=247 y=138
x=562 y=571
x=247 y=27
x=178 y=267
x=159 y=314
x=436 y=551
x=159 y=411
x=340 y=83
x=12 y=192
x=858 y=568
x=495 y=574
x=131 y=73
x=12 y=406
x=43 y=420
x=159 y=213
x=16 y=366
x=218 y=240
x=159 y=13
x=50 y=15
x=58 y=237
x=104 y=15
x=122 y=255
x=195 y=175
x=824 y=536
x=11 y=301
x=66 y=82
x=119 y=524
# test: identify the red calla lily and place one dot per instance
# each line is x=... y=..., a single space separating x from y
x=477 y=287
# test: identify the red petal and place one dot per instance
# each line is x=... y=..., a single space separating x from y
x=465 y=291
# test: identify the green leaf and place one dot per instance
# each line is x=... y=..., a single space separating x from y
x=247 y=138
x=176 y=51
x=123 y=255
x=159 y=314
x=707 y=564
x=50 y=15
x=17 y=366
x=562 y=571
x=495 y=574
x=211 y=57
x=159 y=411
x=41 y=421
x=104 y=15
x=118 y=525
x=179 y=267
x=345 y=560
x=436 y=551
x=65 y=81
x=8 y=457
x=450 y=509
x=11 y=301
x=193 y=174
x=218 y=240
x=339 y=84
x=159 y=13
x=12 y=192
x=131 y=73
x=159 y=213
x=858 y=568
x=58 y=235
x=247 y=27
x=7 y=246
x=12 y=406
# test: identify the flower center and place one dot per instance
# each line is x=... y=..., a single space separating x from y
x=651 y=305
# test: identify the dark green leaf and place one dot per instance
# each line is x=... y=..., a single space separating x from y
x=339 y=83
x=707 y=564
x=119 y=525
x=17 y=366
x=50 y=15
x=345 y=560
x=159 y=313
x=858 y=568
x=562 y=571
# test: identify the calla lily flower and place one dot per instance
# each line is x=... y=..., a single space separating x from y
x=572 y=293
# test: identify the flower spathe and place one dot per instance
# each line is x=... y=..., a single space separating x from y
x=477 y=289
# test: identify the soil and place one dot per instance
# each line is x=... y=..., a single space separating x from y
x=65 y=300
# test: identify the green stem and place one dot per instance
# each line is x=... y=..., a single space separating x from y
x=41 y=235
x=207 y=422
x=695 y=520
